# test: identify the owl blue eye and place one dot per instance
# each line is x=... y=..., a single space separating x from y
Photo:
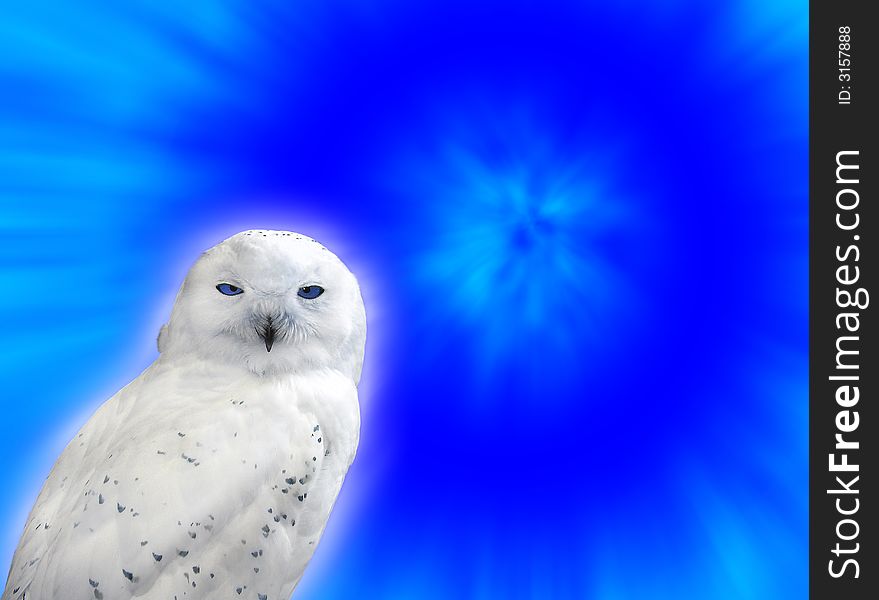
x=310 y=292
x=228 y=289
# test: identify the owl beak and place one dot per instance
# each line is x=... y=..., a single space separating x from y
x=268 y=334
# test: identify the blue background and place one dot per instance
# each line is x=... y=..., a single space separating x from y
x=581 y=233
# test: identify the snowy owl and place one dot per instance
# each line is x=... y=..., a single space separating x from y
x=212 y=475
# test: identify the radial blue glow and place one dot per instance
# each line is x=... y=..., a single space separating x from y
x=514 y=247
x=581 y=233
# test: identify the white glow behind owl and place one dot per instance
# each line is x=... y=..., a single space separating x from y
x=212 y=475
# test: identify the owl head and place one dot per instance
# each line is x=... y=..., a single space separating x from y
x=271 y=302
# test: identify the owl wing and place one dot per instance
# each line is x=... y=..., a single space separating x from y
x=41 y=529
x=183 y=499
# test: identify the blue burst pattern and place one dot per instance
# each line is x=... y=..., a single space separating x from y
x=581 y=234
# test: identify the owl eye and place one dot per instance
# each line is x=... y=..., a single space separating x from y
x=228 y=289
x=310 y=292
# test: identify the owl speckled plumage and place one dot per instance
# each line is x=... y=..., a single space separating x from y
x=212 y=475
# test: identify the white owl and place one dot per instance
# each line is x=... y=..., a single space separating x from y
x=212 y=475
